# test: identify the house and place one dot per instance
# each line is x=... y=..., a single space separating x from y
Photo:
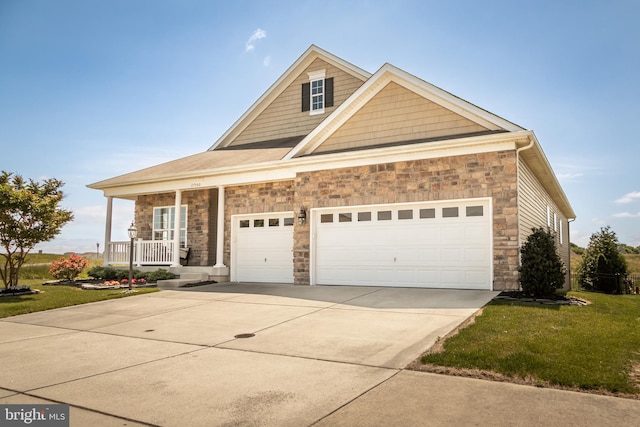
x=336 y=176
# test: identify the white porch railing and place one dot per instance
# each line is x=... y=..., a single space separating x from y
x=145 y=252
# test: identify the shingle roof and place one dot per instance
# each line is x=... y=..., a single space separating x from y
x=248 y=154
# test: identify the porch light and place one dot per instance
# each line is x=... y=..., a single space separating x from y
x=133 y=233
x=302 y=216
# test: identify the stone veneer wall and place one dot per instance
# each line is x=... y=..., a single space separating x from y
x=479 y=175
x=254 y=198
x=200 y=208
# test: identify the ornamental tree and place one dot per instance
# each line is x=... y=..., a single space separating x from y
x=542 y=270
x=29 y=214
x=603 y=266
x=68 y=268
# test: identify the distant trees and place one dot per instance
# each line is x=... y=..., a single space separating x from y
x=29 y=214
x=542 y=270
x=602 y=266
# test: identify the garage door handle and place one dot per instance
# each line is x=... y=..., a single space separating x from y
x=265 y=260
x=394 y=259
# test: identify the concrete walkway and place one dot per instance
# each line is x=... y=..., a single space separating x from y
x=320 y=355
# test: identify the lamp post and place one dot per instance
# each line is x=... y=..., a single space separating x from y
x=133 y=233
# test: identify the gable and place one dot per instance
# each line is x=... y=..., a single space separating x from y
x=398 y=114
x=283 y=117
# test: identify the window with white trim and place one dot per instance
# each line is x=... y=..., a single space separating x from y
x=317 y=93
x=163 y=221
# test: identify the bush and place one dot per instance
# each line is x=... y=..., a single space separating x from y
x=159 y=274
x=68 y=268
x=542 y=271
x=602 y=266
x=110 y=273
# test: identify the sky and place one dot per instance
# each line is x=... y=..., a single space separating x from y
x=92 y=89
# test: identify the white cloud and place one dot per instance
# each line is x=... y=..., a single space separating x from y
x=257 y=35
x=629 y=197
x=569 y=176
x=626 y=215
x=266 y=61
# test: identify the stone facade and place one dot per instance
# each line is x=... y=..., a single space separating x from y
x=200 y=228
x=459 y=177
x=468 y=176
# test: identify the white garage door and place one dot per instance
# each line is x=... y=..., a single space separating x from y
x=262 y=248
x=432 y=245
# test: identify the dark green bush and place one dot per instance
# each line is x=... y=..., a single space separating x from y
x=159 y=274
x=110 y=273
x=603 y=266
x=542 y=270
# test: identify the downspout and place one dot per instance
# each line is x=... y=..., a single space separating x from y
x=569 y=221
x=526 y=147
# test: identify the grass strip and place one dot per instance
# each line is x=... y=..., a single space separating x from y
x=51 y=297
x=592 y=347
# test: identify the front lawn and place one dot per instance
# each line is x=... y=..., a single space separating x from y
x=51 y=297
x=594 y=347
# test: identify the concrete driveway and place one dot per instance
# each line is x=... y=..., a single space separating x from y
x=328 y=355
x=170 y=358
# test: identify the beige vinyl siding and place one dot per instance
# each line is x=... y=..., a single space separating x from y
x=397 y=114
x=533 y=204
x=284 y=117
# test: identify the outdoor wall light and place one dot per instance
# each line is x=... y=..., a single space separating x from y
x=302 y=216
x=133 y=233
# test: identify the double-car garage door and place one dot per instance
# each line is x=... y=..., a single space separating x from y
x=430 y=244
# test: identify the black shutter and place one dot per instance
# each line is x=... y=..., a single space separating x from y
x=306 y=96
x=328 y=92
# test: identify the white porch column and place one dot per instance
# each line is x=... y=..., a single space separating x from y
x=220 y=230
x=107 y=231
x=176 y=230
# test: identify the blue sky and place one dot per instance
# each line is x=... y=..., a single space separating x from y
x=90 y=89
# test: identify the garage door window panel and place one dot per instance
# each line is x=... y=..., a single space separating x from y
x=364 y=216
x=384 y=215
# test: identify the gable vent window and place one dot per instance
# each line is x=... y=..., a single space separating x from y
x=317 y=93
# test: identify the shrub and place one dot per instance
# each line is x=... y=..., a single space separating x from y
x=159 y=274
x=96 y=272
x=67 y=268
x=110 y=273
x=542 y=271
x=602 y=266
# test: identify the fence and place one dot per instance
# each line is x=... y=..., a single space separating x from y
x=617 y=283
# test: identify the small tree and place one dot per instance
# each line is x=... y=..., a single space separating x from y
x=541 y=271
x=29 y=214
x=603 y=266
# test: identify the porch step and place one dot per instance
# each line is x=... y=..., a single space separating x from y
x=185 y=279
x=196 y=277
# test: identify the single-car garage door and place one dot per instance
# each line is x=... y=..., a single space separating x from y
x=431 y=245
x=262 y=248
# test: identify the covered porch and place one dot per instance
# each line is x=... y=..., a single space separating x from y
x=172 y=244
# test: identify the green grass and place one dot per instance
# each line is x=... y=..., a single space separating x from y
x=57 y=296
x=591 y=347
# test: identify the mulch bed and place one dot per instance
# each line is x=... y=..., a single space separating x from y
x=520 y=296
